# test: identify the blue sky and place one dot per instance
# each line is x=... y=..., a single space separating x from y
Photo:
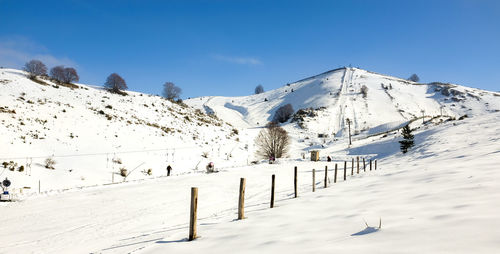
x=229 y=47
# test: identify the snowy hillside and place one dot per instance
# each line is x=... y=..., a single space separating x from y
x=92 y=133
x=441 y=197
x=390 y=102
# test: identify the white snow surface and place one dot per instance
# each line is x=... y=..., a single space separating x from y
x=442 y=196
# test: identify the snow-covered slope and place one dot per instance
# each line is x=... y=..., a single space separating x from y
x=87 y=129
x=337 y=96
x=441 y=197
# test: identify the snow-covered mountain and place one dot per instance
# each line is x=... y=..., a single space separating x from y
x=91 y=133
x=336 y=96
x=431 y=195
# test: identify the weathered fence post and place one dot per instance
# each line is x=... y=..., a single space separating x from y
x=272 y=191
x=375 y=164
x=352 y=167
x=194 y=209
x=295 y=180
x=345 y=170
x=357 y=163
x=335 y=174
x=38 y=186
x=370 y=165
x=364 y=165
x=241 y=203
x=314 y=180
x=113 y=177
x=326 y=176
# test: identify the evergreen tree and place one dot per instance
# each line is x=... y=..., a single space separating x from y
x=407 y=141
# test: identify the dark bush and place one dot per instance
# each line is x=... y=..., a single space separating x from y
x=283 y=113
x=364 y=91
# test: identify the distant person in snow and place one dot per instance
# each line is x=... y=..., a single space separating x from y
x=210 y=167
x=169 y=168
x=329 y=159
x=272 y=159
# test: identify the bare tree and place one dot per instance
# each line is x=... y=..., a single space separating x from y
x=364 y=91
x=35 y=68
x=259 y=89
x=171 y=91
x=115 y=83
x=272 y=142
x=70 y=75
x=414 y=78
x=57 y=73
x=283 y=113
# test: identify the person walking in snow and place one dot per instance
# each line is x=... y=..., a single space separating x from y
x=169 y=168
x=210 y=167
x=271 y=159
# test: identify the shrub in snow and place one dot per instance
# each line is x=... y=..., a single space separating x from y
x=407 y=141
x=123 y=172
x=35 y=68
x=259 y=89
x=272 y=142
x=364 y=91
x=10 y=165
x=49 y=163
x=117 y=160
x=283 y=113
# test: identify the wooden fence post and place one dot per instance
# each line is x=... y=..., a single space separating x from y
x=364 y=165
x=194 y=209
x=357 y=163
x=241 y=203
x=345 y=170
x=38 y=186
x=335 y=175
x=314 y=180
x=375 y=164
x=113 y=177
x=295 y=180
x=326 y=176
x=370 y=165
x=272 y=191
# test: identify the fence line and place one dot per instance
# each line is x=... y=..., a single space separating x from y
x=241 y=204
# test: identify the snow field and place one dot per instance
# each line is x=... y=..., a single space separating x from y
x=441 y=197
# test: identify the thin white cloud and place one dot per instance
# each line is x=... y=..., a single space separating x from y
x=238 y=60
x=15 y=51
